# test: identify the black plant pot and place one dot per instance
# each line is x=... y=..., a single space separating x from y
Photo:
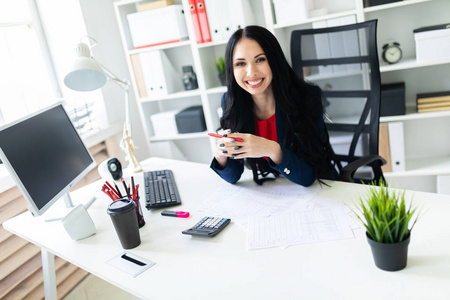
x=390 y=257
x=223 y=80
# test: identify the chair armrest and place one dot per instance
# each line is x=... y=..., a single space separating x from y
x=349 y=170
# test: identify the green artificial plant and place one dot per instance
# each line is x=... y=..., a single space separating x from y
x=384 y=214
x=220 y=65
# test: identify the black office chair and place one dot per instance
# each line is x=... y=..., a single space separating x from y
x=343 y=61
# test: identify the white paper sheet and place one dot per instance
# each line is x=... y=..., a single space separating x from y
x=298 y=227
x=240 y=202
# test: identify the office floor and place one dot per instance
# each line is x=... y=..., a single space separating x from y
x=94 y=288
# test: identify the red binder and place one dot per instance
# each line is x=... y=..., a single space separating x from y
x=195 y=21
x=203 y=20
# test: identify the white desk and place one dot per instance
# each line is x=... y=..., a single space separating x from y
x=220 y=267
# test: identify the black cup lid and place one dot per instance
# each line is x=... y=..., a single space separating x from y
x=121 y=206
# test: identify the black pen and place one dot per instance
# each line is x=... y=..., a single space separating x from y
x=118 y=191
x=126 y=188
x=132 y=186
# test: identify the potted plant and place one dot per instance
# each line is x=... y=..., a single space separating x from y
x=386 y=218
x=220 y=65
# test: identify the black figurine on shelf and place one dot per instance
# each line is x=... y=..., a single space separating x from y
x=189 y=78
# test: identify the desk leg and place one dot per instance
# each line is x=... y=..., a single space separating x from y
x=48 y=268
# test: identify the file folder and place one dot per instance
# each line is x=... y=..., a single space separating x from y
x=160 y=76
x=147 y=71
x=203 y=21
x=241 y=14
x=397 y=146
x=214 y=19
x=383 y=147
x=225 y=25
x=195 y=21
x=138 y=75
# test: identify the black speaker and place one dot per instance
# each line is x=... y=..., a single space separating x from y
x=392 y=99
x=115 y=168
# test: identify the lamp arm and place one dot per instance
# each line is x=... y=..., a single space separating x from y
x=125 y=87
x=122 y=83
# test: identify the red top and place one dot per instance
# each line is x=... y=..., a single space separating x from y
x=267 y=129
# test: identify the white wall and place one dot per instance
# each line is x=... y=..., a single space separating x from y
x=101 y=24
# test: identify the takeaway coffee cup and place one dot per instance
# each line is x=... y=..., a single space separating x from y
x=123 y=217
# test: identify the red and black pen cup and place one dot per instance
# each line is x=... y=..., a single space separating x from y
x=123 y=217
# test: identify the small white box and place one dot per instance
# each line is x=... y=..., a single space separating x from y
x=157 y=26
x=288 y=11
x=432 y=43
x=164 y=123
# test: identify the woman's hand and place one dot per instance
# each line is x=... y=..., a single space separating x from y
x=252 y=146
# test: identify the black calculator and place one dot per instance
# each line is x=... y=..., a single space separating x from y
x=208 y=226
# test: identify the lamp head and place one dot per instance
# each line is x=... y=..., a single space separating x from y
x=86 y=74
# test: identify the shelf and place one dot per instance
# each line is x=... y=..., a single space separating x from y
x=411 y=63
x=182 y=94
x=424 y=167
x=315 y=19
x=161 y=47
x=415 y=116
x=183 y=136
x=212 y=44
x=216 y=90
x=392 y=5
x=127 y=2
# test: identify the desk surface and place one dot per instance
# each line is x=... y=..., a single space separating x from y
x=220 y=267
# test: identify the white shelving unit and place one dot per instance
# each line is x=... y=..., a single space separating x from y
x=431 y=158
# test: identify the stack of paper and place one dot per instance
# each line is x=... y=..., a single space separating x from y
x=281 y=216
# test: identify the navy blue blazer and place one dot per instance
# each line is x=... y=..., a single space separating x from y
x=292 y=167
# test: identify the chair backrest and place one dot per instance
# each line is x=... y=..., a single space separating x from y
x=343 y=61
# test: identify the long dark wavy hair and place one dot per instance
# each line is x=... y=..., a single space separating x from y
x=299 y=102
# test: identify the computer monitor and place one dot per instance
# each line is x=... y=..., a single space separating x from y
x=45 y=156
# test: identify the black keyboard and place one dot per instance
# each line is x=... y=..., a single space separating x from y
x=160 y=189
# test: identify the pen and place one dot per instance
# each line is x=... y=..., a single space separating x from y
x=118 y=191
x=125 y=186
x=135 y=193
x=110 y=187
x=219 y=136
x=178 y=214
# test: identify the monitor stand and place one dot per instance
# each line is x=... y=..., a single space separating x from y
x=69 y=206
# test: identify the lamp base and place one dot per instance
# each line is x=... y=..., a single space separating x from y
x=136 y=169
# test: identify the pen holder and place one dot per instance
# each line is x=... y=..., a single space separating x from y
x=140 y=216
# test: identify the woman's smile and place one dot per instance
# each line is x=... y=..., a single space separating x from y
x=251 y=68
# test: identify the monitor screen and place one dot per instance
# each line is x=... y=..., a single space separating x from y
x=45 y=155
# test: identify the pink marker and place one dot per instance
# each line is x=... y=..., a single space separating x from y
x=178 y=214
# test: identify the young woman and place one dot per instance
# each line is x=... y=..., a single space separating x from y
x=271 y=117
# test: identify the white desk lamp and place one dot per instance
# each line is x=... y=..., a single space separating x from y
x=88 y=74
